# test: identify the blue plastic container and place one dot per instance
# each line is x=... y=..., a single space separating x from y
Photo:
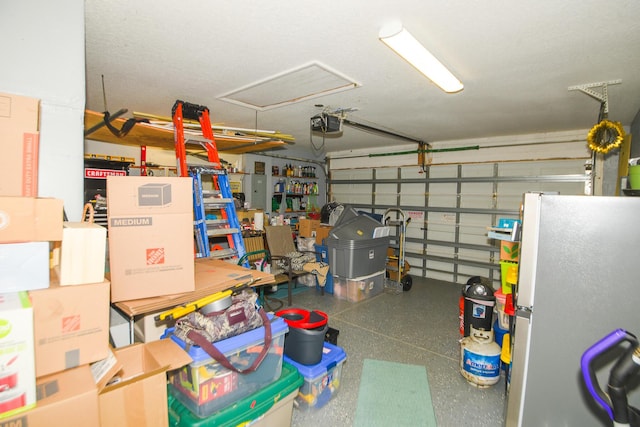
x=322 y=255
x=204 y=386
x=498 y=333
x=321 y=381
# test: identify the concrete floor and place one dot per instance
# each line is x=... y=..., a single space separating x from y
x=416 y=327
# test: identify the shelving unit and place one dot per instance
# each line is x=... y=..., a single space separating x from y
x=96 y=169
x=154 y=136
x=300 y=190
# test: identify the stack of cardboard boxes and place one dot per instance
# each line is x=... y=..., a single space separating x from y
x=313 y=228
x=50 y=333
x=56 y=364
x=58 y=280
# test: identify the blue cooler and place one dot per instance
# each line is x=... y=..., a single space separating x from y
x=321 y=381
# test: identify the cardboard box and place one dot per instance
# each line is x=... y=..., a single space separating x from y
x=322 y=232
x=69 y=398
x=151 y=243
x=26 y=219
x=250 y=215
x=308 y=227
x=71 y=325
x=138 y=396
x=104 y=370
x=24 y=266
x=82 y=254
x=19 y=122
x=18 y=379
x=146 y=328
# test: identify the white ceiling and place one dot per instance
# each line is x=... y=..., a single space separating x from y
x=515 y=58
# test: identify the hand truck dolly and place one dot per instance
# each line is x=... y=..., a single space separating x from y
x=397 y=266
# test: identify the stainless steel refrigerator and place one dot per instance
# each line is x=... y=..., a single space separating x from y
x=578 y=280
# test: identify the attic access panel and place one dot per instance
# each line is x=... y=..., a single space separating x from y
x=305 y=82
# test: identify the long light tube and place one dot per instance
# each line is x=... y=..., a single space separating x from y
x=405 y=45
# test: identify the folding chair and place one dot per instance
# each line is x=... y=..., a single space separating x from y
x=284 y=254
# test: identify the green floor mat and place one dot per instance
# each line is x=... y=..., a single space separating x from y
x=394 y=394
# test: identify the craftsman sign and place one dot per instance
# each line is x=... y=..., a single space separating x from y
x=94 y=173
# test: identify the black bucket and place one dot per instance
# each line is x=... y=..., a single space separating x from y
x=305 y=340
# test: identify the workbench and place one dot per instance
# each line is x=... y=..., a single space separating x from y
x=211 y=276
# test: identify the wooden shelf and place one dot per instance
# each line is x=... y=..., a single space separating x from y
x=154 y=136
x=295 y=177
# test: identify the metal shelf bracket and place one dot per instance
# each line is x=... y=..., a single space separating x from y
x=603 y=96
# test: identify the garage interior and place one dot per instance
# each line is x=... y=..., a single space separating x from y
x=313 y=85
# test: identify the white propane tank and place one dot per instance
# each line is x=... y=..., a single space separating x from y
x=480 y=358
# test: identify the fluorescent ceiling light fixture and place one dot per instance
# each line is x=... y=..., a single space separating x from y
x=410 y=49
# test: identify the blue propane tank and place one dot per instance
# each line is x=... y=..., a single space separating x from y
x=480 y=358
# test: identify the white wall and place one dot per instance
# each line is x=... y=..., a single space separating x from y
x=43 y=57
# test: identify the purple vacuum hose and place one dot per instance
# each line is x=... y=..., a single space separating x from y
x=592 y=352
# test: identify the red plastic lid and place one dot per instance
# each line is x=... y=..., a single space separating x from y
x=300 y=318
x=508 y=307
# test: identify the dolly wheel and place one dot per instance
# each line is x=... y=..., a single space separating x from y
x=407 y=282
